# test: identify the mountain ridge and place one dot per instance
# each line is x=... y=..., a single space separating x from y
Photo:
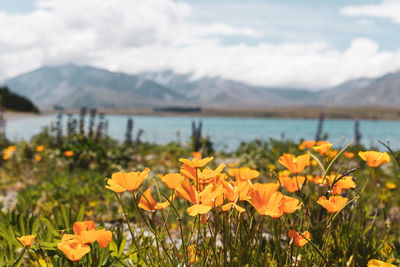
x=73 y=86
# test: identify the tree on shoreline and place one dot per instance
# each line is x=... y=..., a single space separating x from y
x=15 y=102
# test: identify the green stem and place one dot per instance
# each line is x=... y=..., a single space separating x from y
x=148 y=225
x=119 y=197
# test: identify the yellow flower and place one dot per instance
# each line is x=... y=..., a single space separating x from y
x=378 y=263
x=271 y=167
x=8 y=152
x=390 y=185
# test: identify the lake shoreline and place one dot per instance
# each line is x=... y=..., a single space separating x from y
x=362 y=113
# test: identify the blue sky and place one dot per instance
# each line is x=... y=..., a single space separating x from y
x=304 y=21
x=293 y=43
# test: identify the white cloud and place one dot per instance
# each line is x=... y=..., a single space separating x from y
x=151 y=35
x=308 y=65
x=386 y=9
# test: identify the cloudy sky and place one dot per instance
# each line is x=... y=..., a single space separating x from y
x=310 y=43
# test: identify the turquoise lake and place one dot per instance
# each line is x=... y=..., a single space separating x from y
x=226 y=133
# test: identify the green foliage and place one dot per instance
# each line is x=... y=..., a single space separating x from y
x=55 y=192
x=11 y=101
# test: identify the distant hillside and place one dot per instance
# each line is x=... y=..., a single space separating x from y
x=72 y=86
x=383 y=91
x=215 y=91
x=14 y=102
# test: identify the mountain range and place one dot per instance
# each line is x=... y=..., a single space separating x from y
x=72 y=86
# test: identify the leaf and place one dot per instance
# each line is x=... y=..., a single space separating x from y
x=80 y=215
x=21 y=224
x=19 y=260
x=65 y=216
x=35 y=226
x=122 y=247
x=50 y=227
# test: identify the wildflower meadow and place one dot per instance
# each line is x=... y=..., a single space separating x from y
x=83 y=199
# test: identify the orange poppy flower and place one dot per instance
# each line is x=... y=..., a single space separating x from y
x=172 y=180
x=343 y=184
x=198 y=209
x=209 y=195
x=334 y=204
x=86 y=233
x=197 y=154
x=196 y=163
x=76 y=246
x=292 y=184
x=299 y=240
x=236 y=190
x=79 y=227
x=103 y=238
x=27 y=240
x=323 y=149
x=38 y=158
x=289 y=204
x=147 y=202
x=114 y=186
x=374 y=158
x=318 y=180
x=68 y=153
x=378 y=263
x=233 y=165
x=122 y=181
x=72 y=248
x=8 y=152
x=307 y=144
x=40 y=148
x=348 y=155
x=186 y=191
x=268 y=201
x=231 y=205
x=188 y=172
x=323 y=142
x=192 y=254
x=294 y=164
x=205 y=176
x=203 y=201
x=333 y=153
x=244 y=173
